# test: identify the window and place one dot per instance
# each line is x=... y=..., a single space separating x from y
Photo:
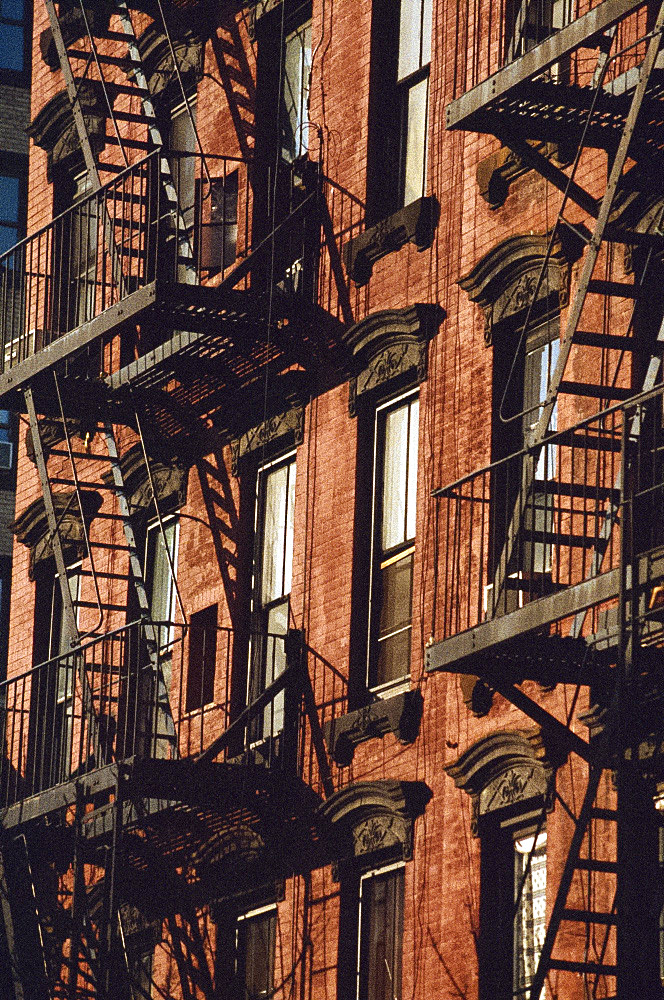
x=398 y=106
x=512 y=909
x=52 y=695
x=183 y=146
x=530 y=909
x=218 y=234
x=394 y=508
x=529 y=22
x=6 y=444
x=202 y=658
x=296 y=75
x=380 y=935
x=273 y=567
x=10 y=202
x=12 y=36
x=254 y=954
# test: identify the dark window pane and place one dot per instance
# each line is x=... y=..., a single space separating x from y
x=9 y=195
x=255 y=957
x=11 y=46
x=8 y=237
x=219 y=223
x=12 y=9
x=381 y=936
x=202 y=658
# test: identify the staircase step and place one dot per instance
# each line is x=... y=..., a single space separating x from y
x=590 y=441
x=105 y=606
x=610 y=814
x=132 y=89
x=620 y=289
x=610 y=341
x=582 y=491
x=595 y=391
x=84 y=485
x=105 y=60
x=594 y=865
x=79 y=454
x=594 y=968
x=132 y=116
x=112 y=140
x=590 y=917
x=110 y=168
x=561 y=538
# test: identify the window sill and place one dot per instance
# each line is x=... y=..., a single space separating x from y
x=392 y=713
x=416 y=223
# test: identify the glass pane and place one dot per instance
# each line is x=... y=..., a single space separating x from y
x=277 y=535
x=410 y=26
x=8 y=238
x=416 y=142
x=530 y=919
x=395 y=466
x=426 y=32
x=297 y=71
x=381 y=936
x=411 y=499
x=256 y=955
x=158 y=572
x=275 y=664
x=13 y=9
x=9 y=194
x=397 y=590
x=11 y=46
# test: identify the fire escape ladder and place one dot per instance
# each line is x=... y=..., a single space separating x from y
x=585 y=866
x=586 y=285
x=138 y=86
x=20 y=913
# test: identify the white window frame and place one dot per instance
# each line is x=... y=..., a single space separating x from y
x=366 y=877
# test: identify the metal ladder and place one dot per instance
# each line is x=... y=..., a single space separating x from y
x=572 y=337
x=77 y=481
x=137 y=87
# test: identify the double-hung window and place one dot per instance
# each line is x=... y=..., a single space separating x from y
x=254 y=953
x=12 y=36
x=380 y=935
x=530 y=909
x=296 y=73
x=413 y=86
x=394 y=508
x=10 y=202
x=273 y=570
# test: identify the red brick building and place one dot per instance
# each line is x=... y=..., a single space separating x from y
x=334 y=644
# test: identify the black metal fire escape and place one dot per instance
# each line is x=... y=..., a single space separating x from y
x=552 y=93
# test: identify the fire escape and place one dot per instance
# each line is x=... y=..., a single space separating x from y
x=552 y=559
x=116 y=798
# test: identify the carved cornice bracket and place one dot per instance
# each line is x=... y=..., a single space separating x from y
x=416 y=223
x=400 y=715
x=54 y=129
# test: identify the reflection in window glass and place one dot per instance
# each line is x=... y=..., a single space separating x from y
x=413 y=81
x=416 y=142
x=11 y=46
x=9 y=208
x=530 y=918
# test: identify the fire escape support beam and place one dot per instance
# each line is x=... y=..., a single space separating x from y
x=552 y=50
x=533 y=158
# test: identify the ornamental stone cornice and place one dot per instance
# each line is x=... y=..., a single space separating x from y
x=32 y=530
x=189 y=44
x=370 y=820
x=504 y=280
x=54 y=130
x=170 y=479
x=505 y=768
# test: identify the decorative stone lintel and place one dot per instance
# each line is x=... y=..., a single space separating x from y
x=506 y=768
x=188 y=44
x=390 y=343
x=369 y=821
x=170 y=480
x=284 y=428
x=32 y=530
x=73 y=27
x=416 y=223
x=505 y=280
x=400 y=715
x=54 y=129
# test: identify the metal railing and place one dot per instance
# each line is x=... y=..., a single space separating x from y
x=104 y=702
x=492 y=36
x=572 y=513
x=190 y=229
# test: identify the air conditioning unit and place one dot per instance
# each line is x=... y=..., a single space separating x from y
x=513 y=601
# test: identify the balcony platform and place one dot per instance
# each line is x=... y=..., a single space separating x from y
x=519 y=99
x=503 y=636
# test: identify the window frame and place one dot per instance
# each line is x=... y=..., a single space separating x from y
x=264 y=649
x=363 y=973
x=19 y=77
x=380 y=558
x=270 y=911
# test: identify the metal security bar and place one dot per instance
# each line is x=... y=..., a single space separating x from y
x=569 y=529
